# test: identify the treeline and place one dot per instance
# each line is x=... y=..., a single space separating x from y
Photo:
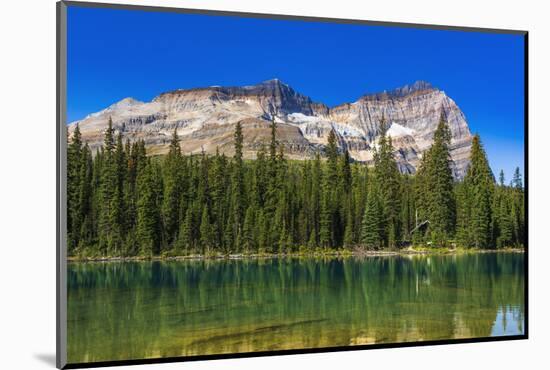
x=121 y=202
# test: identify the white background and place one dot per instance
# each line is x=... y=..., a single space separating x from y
x=27 y=182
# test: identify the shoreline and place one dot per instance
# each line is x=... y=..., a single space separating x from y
x=318 y=255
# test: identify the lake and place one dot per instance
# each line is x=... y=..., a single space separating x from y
x=136 y=310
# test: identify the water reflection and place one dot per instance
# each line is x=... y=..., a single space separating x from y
x=157 y=309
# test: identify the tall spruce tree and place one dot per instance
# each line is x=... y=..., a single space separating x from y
x=371 y=235
x=438 y=185
x=205 y=232
x=74 y=184
x=108 y=220
x=148 y=225
x=118 y=207
x=273 y=184
x=331 y=228
x=239 y=201
x=173 y=191
x=261 y=178
x=506 y=233
x=218 y=192
x=332 y=160
x=388 y=179
x=348 y=231
x=315 y=201
x=184 y=243
x=325 y=220
x=501 y=178
x=479 y=185
x=249 y=231
x=516 y=180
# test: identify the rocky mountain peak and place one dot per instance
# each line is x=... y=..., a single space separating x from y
x=409 y=89
x=400 y=92
x=274 y=82
x=124 y=103
x=121 y=105
x=205 y=118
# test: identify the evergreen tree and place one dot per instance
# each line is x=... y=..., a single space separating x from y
x=85 y=229
x=516 y=180
x=481 y=218
x=315 y=201
x=501 y=178
x=238 y=202
x=464 y=203
x=74 y=184
x=148 y=212
x=332 y=159
x=273 y=185
x=261 y=178
x=263 y=231
x=479 y=184
x=185 y=235
x=407 y=206
x=249 y=232
x=371 y=226
x=118 y=208
x=206 y=232
x=108 y=216
x=325 y=223
x=348 y=231
x=345 y=172
x=438 y=185
x=517 y=217
x=505 y=225
x=172 y=189
x=229 y=233
x=388 y=179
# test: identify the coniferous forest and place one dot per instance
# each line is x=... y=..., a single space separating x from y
x=122 y=202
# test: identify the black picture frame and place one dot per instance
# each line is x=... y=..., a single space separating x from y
x=61 y=163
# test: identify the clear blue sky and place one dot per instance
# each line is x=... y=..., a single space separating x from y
x=113 y=54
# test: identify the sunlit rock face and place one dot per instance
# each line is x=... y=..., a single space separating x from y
x=205 y=119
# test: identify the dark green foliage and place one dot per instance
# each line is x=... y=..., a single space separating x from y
x=372 y=225
x=435 y=189
x=508 y=213
x=184 y=243
x=238 y=200
x=250 y=230
x=206 y=239
x=332 y=159
x=74 y=182
x=516 y=181
x=348 y=231
x=109 y=215
x=122 y=203
x=476 y=213
x=387 y=181
x=148 y=206
x=173 y=189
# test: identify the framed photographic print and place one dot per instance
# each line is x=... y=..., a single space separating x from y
x=234 y=184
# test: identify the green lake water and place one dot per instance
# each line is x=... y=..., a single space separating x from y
x=136 y=310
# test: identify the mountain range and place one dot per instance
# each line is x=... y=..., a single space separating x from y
x=205 y=120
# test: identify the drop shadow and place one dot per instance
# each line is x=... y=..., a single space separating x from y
x=47 y=358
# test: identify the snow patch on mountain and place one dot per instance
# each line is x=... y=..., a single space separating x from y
x=302 y=118
x=396 y=130
x=346 y=131
x=342 y=129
